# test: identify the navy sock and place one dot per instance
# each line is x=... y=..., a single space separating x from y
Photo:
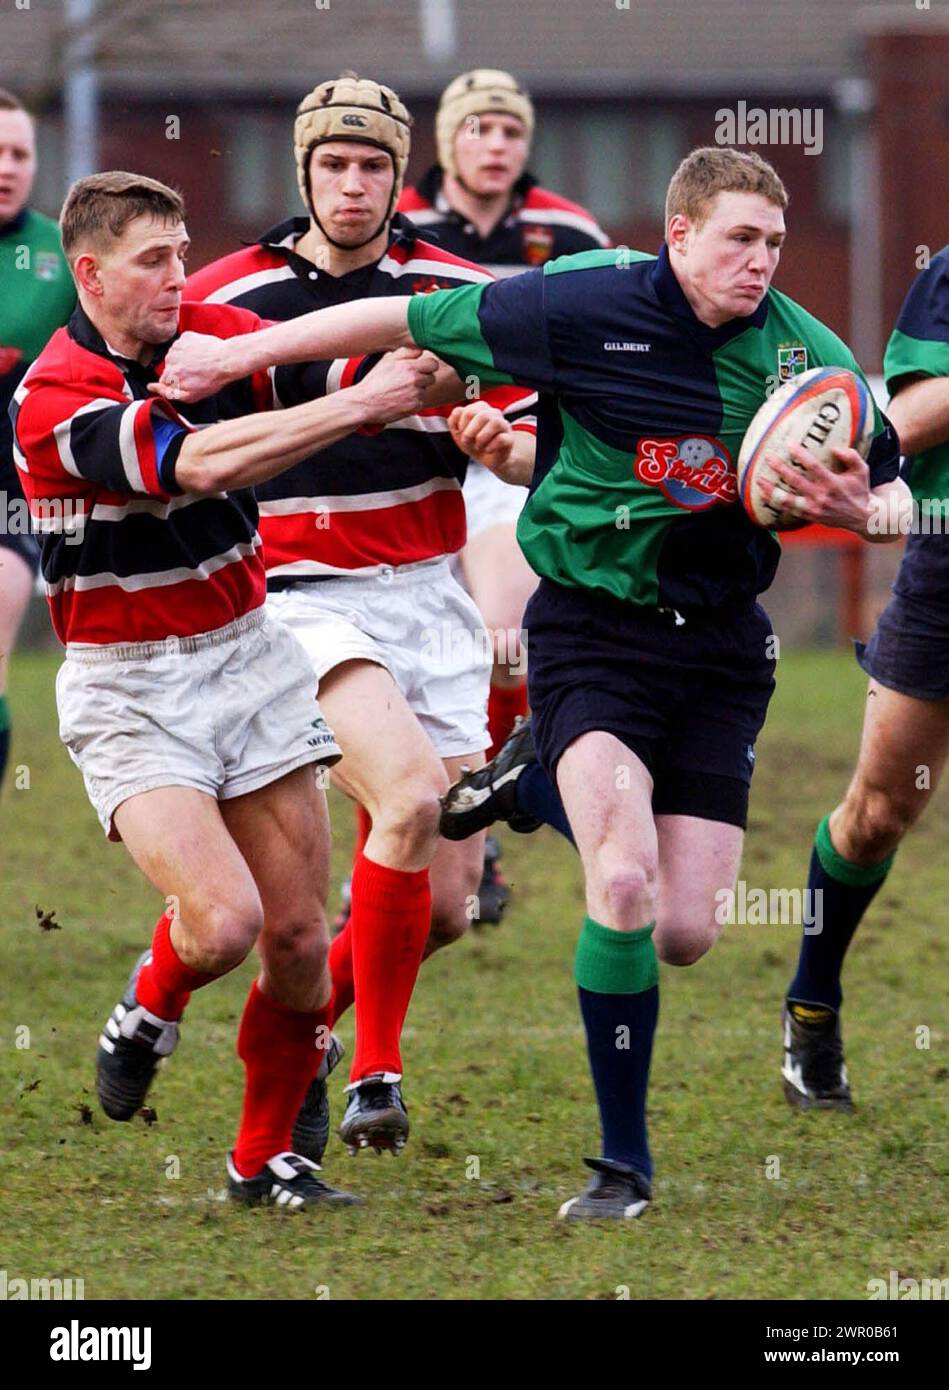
x=846 y=891
x=4 y=735
x=619 y=1011
x=538 y=797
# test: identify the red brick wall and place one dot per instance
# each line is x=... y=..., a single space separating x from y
x=911 y=74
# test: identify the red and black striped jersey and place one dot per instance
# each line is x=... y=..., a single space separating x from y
x=127 y=555
x=537 y=227
x=378 y=498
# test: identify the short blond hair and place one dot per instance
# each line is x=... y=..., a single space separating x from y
x=714 y=169
x=99 y=208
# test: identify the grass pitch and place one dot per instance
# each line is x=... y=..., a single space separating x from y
x=497 y=1083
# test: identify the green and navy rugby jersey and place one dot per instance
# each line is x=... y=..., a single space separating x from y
x=36 y=297
x=645 y=407
x=918 y=347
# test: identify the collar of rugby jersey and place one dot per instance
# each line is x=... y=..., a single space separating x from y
x=16 y=224
x=284 y=236
x=672 y=297
x=431 y=188
x=83 y=331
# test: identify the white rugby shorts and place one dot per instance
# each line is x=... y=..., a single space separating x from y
x=417 y=622
x=489 y=501
x=225 y=712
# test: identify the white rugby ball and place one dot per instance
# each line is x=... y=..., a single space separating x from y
x=822 y=409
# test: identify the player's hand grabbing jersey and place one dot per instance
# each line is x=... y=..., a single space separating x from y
x=538 y=227
x=634 y=490
x=127 y=556
x=375 y=499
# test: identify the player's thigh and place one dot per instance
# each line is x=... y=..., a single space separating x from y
x=178 y=838
x=698 y=859
x=607 y=794
x=498 y=578
x=386 y=755
x=903 y=751
x=16 y=585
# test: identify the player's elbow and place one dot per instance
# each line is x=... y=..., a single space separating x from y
x=198 y=474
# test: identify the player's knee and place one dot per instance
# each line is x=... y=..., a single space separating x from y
x=299 y=942
x=226 y=933
x=626 y=886
x=874 y=823
x=683 y=943
x=410 y=816
x=455 y=902
x=449 y=924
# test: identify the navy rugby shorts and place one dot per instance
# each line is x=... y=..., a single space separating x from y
x=12 y=513
x=909 y=651
x=687 y=693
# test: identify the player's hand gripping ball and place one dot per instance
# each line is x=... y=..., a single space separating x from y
x=820 y=410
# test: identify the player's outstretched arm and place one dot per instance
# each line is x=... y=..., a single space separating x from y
x=239 y=453
x=197 y=364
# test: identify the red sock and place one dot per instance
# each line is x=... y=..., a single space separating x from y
x=363 y=827
x=280 y=1049
x=341 y=969
x=505 y=703
x=164 y=985
x=390 y=923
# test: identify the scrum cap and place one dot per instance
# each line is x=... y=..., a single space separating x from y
x=475 y=94
x=352 y=108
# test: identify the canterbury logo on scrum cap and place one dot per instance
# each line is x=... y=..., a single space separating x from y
x=352 y=119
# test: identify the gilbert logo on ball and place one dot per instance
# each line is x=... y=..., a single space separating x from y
x=823 y=409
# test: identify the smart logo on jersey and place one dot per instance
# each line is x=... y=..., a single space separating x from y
x=538 y=245
x=792 y=360
x=694 y=470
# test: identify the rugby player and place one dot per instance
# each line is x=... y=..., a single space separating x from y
x=355 y=545
x=36 y=297
x=190 y=712
x=479 y=201
x=906 y=724
x=650 y=659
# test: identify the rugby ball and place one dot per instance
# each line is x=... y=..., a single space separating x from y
x=822 y=409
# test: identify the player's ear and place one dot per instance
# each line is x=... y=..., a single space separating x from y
x=88 y=273
x=677 y=232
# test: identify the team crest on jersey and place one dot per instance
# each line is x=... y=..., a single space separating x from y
x=538 y=244
x=694 y=471
x=47 y=265
x=792 y=360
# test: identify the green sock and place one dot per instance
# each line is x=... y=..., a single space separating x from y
x=618 y=985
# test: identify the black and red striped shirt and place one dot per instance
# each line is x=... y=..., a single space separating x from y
x=538 y=226
x=375 y=499
x=127 y=555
